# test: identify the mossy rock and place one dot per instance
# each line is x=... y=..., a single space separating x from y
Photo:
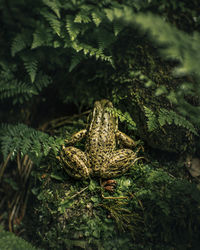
x=71 y=214
x=146 y=81
x=75 y=213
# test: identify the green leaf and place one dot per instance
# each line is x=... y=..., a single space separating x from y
x=31 y=68
x=92 y=185
x=18 y=44
x=54 y=5
x=53 y=21
x=96 y=19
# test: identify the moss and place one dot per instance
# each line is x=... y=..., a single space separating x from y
x=74 y=215
x=142 y=80
x=9 y=241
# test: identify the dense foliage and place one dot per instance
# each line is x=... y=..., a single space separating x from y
x=57 y=57
x=10 y=241
x=157 y=201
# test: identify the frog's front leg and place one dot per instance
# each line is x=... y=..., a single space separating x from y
x=125 y=140
x=75 y=162
x=118 y=163
x=76 y=137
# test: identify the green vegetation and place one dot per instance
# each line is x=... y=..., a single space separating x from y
x=57 y=57
x=11 y=242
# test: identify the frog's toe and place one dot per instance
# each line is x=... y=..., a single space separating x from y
x=109 y=185
x=109 y=188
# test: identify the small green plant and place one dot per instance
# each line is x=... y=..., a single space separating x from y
x=27 y=141
x=164 y=116
x=9 y=241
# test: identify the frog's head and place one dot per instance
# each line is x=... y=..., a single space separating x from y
x=103 y=104
x=101 y=109
x=102 y=115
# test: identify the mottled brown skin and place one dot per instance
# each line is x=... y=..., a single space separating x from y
x=100 y=159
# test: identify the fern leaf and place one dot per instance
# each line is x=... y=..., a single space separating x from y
x=168 y=117
x=53 y=5
x=76 y=46
x=152 y=122
x=123 y=117
x=53 y=21
x=42 y=36
x=16 y=89
x=42 y=81
x=73 y=28
x=105 y=39
x=117 y=26
x=18 y=44
x=82 y=17
x=37 y=41
x=96 y=19
x=31 y=67
x=26 y=140
x=76 y=59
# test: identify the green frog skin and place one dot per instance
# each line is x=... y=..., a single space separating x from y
x=101 y=158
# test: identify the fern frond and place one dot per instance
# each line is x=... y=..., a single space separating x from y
x=104 y=39
x=52 y=20
x=82 y=17
x=89 y=50
x=96 y=18
x=117 y=26
x=168 y=117
x=18 y=44
x=37 y=40
x=42 y=36
x=26 y=140
x=152 y=122
x=30 y=65
x=73 y=28
x=123 y=117
x=76 y=59
x=42 y=81
x=54 y=5
x=16 y=89
x=6 y=73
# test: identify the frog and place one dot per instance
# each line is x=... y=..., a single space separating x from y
x=101 y=157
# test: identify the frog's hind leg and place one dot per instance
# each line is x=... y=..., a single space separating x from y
x=75 y=162
x=119 y=162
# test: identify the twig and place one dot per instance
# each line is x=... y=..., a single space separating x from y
x=2 y=169
x=79 y=192
x=114 y=198
x=61 y=121
x=19 y=164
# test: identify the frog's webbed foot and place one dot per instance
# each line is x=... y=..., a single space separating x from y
x=75 y=162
